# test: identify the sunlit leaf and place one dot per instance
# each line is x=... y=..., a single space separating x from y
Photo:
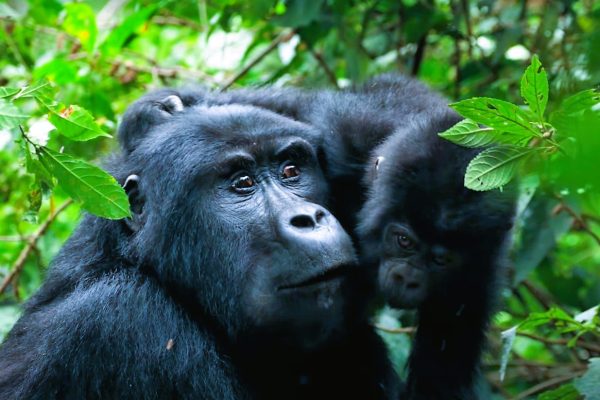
x=41 y=87
x=497 y=114
x=73 y=121
x=99 y=192
x=469 y=134
x=534 y=87
x=10 y=115
x=7 y=92
x=80 y=22
x=119 y=36
x=494 y=167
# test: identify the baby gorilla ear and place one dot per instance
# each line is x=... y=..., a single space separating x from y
x=152 y=110
x=136 y=202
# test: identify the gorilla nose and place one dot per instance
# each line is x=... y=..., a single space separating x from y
x=308 y=220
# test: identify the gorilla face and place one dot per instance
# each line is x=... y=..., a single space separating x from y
x=229 y=211
x=410 y=267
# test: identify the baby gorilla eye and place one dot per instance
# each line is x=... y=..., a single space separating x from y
x=242 y=182
x=405 y=242
x=290 y=171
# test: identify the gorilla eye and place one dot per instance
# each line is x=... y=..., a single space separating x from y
x=405 y=242
x=290 y=171
x=242 y=182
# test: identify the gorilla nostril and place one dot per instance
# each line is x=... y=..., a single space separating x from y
x=302 y=222
x=319 y=216
x=398 y=278
x=413 y=285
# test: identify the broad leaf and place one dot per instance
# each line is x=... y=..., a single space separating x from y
x=119 y=36
x=10 y=115
x=99 y=193
x=498 y=114
x=7 y=92
x=534 y=88
x=41 y=87
x=81 y=23
x=564 y=392
x=73 y=121
x=579 y=102
x=588 y=385
x=494 y=167
x=469 y=134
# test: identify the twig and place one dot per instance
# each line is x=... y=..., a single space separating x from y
x=14 y=238
x=29 y=247
x=580 y=221
x=562 y=342
x=283 y=37
x=330 y=75
x=175 y=21
x=547 y=385
x=409 y=329
x=419 y=53
x=540 y=296
x=465 y=8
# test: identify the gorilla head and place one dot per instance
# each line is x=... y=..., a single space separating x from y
x=226 y=210
x=431 y=236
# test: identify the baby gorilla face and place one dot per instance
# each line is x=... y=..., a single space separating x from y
x=410 y=268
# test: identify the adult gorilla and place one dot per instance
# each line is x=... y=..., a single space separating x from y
x=229 y=281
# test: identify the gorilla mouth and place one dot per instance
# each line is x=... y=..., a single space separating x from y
x=337 y=271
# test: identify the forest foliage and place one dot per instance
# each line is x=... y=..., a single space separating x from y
x=524 y=74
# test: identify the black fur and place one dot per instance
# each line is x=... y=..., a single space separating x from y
x=418 y=183
x=189 y=298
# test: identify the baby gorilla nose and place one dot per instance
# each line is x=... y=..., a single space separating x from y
x=403 y=285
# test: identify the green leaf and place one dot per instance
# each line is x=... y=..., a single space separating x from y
x=7 y=92
x=299 y=13
x=73 y=122
x=41 y=87
x=99 y=192
x=10 y=116
x=579 y=102
x=564 y=392
x=494 y=167
x=81 y=23
x=119 y=36
x=534 y=88
x=469 y=134
x=588 y=385
x=498 y=114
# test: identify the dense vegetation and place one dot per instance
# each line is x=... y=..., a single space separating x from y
x=68 y=70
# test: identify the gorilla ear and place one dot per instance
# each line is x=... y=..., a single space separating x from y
x=151 y=110
x=171 y=104
x=136 y=202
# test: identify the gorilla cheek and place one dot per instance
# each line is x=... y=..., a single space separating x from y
x=403 y=285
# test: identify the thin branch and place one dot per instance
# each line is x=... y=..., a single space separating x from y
x=175 y=21
x=550 y=383
x=283 y=37
x=330 y=74
x=419 y=53
x=580 y=222
x=29 y=247
x=540 y=296
x=561 y=342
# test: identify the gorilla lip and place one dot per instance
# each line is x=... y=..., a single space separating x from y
x=337 y=271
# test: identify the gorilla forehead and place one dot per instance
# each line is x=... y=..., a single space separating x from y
x=200 y=135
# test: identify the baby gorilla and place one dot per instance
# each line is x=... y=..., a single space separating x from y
x=229 y=281
x=440 y=248
x=435 y=245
